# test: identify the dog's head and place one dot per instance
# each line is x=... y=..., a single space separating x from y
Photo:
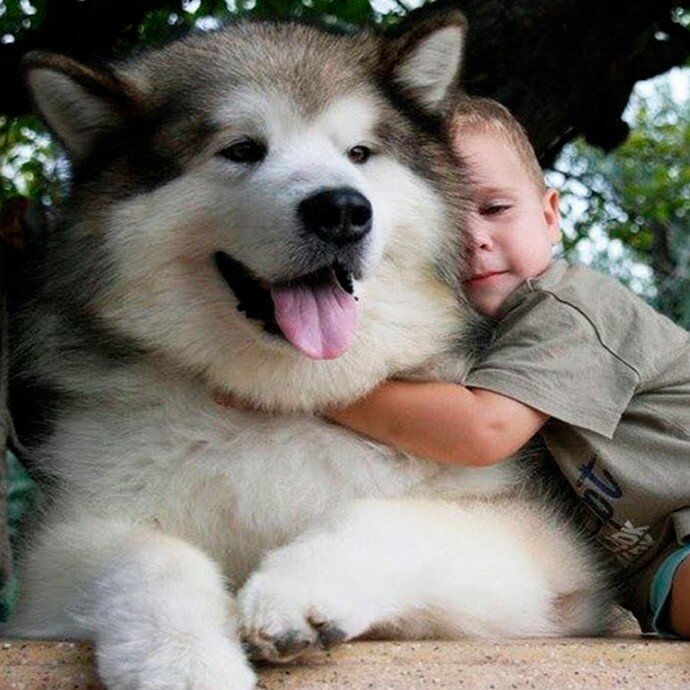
x=267 y=201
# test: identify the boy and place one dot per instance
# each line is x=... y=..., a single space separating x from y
x=575 y=356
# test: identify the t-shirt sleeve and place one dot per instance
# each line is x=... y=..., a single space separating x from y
x=548 y=355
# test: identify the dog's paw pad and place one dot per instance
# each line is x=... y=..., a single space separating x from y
x=289 y=643
x=281 y=647
x=282 y=619
x=328 y=634
x=292 y=643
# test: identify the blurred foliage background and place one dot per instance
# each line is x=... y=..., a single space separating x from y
x=627 y=212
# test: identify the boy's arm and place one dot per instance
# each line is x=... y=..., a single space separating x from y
x=443 y=422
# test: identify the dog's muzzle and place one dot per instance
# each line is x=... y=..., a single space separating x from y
x=316 y=310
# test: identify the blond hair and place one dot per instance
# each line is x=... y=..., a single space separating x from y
x=485 y=115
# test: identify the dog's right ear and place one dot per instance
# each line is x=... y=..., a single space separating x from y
x=422 y=57
x=79 y=103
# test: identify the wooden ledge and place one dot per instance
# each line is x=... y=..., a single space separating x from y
x=630 y=662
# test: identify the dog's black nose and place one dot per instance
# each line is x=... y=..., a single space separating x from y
x=339 y=216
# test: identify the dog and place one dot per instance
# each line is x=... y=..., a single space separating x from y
x=274 y=211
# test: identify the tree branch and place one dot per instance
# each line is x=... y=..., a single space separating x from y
x=567 y=68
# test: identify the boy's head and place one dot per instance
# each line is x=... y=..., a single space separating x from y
x=514 y=221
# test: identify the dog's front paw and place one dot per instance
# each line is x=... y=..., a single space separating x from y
x=282 y=621
x=208 y=663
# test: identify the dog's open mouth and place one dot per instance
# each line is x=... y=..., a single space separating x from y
x=316 y=313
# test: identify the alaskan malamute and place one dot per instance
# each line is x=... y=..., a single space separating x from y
x=270 y=210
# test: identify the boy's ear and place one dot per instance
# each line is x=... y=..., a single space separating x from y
x=77 y=102
x=552 y=215
x=423 y=57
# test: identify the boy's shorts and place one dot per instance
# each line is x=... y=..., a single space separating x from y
x=647 y=593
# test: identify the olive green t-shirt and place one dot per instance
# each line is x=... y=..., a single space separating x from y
x=614 y=377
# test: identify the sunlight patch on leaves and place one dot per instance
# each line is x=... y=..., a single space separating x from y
x=628 y=212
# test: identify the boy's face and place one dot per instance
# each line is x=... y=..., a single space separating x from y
x=513 y=225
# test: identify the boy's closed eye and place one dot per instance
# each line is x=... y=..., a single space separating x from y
x=494 y=209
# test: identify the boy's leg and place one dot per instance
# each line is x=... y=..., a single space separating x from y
x=669 y=594
x=679 y=610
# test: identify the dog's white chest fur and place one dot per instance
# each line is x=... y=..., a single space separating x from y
x=264 y=478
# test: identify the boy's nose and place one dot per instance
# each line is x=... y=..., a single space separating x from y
x=480 y=240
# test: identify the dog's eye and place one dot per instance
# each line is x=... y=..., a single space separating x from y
x=359 y=154
x=245 y=151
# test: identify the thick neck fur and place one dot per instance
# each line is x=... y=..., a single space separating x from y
x=403 y=328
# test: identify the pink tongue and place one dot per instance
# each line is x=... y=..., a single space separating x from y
x=319 y=320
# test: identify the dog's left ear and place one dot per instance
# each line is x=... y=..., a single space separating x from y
x=423 y=57
x=80 y=104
